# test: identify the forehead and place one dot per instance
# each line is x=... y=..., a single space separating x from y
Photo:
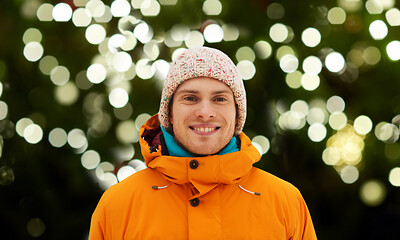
x=204 y=85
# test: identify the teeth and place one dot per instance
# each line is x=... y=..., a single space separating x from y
x=204 y=129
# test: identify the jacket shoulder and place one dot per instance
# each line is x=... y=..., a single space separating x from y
x=126 y=189
x=121 y=201
x=271 y=184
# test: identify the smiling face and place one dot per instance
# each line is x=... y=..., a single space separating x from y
x=203 y=115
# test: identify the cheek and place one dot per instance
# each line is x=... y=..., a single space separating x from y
x=232 y=113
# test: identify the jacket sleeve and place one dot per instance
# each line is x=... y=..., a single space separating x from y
x=304 y=228
x=97 y=225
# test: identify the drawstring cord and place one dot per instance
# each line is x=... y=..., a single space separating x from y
x=158 y=188
x=248 y=191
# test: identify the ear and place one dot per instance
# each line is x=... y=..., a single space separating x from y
x=170 y=108
x=237 y=114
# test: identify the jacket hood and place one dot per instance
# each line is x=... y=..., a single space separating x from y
x=211 y=171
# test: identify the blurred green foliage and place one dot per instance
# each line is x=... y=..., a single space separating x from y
x=50 y=183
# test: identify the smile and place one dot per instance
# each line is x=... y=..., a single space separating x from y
x=204 y=129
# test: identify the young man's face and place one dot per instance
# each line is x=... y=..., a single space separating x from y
x=203 y=115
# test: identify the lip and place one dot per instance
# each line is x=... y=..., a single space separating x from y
x=204 y=129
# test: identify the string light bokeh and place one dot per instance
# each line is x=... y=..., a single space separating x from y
x=129 y=46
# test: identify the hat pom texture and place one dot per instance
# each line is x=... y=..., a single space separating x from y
x=203 y=62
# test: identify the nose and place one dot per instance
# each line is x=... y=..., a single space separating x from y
x=205 y=110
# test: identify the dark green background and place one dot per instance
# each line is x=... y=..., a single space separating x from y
x=52 y=185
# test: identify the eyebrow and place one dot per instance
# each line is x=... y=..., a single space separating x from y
x=195 y=91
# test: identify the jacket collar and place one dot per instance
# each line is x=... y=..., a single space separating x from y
x=211 y=171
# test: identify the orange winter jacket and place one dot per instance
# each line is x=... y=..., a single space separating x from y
x=212 y=197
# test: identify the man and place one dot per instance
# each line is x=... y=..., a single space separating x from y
x=200 y=182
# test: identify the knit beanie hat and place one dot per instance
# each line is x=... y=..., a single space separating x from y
x=203 y=62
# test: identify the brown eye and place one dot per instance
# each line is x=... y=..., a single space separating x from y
x=189 y=98
x=220 y=99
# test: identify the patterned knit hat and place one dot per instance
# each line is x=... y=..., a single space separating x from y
x=203 y=62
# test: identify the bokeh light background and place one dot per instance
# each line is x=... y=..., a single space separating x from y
x=78 y=78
